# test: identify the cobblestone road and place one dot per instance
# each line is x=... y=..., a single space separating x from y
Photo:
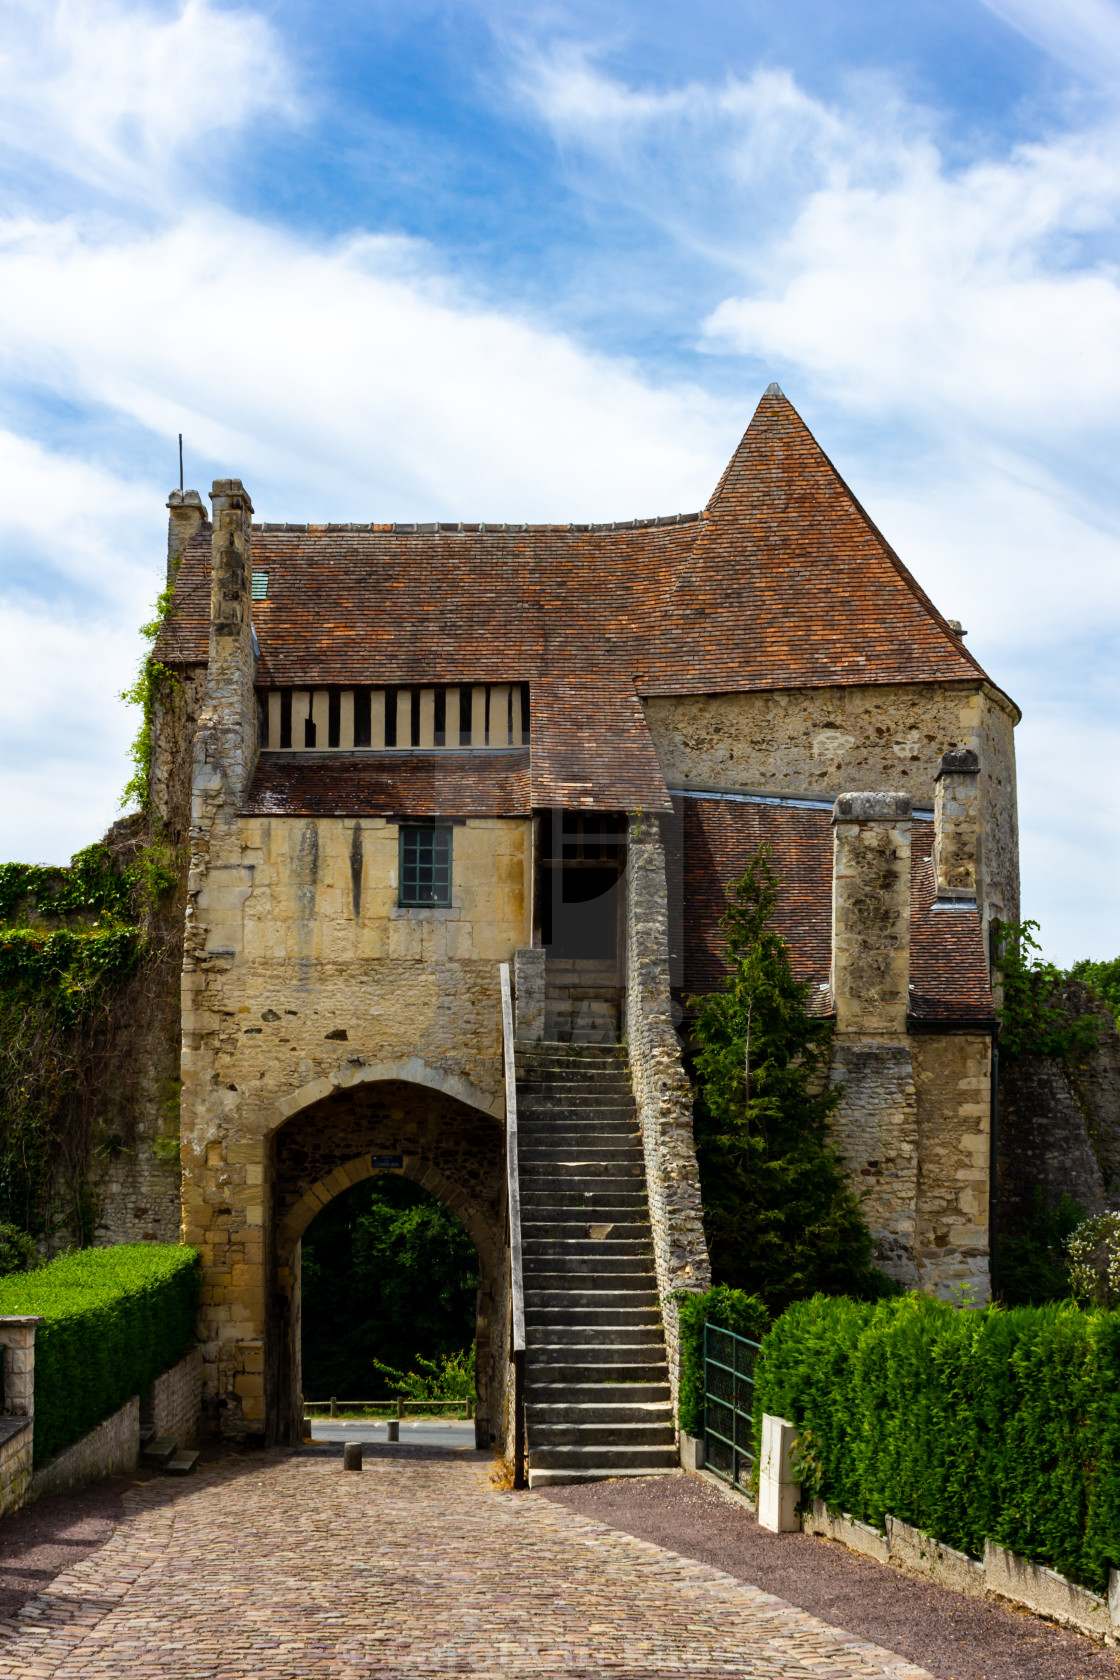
x=283 y=1566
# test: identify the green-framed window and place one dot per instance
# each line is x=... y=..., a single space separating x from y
x=425 y=865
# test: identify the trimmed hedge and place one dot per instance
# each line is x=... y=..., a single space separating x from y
x=114 y=1320
x=731 y=1309
x=967 y=1424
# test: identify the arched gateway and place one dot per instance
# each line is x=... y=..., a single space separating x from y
x=407 y=755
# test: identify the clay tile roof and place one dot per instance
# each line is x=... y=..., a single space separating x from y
x=445 y=784
x=783 y=582
x=948 y=971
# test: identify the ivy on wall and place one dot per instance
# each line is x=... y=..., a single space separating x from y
x=153 y=682
x=70 y=940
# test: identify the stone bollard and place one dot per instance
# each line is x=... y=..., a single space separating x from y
x=392 y=1430
x=352 y=1455
x=778 y=1494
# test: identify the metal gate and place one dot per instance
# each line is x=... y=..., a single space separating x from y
x=729 y=1444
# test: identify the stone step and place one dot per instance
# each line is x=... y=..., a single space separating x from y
x=605 y=1460
x=646 y=1412
x=569 y=1175
x=595 y=1393
x=578 y=1230
x=573 y=1298
x=591 y=1288
x=548 y=1355
x=593 y=1335
x=562 y=1478
x=603 y=1434
x=592 y=1373
x=589 y=1318
x=581 y=1103
x=616 y=1198
x=159 y=1452
x=583 y=1247
x=182 y=1464
x=578 y=1153
x=604 y=1267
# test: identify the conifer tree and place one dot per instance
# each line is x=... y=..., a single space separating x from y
x=781 y=1218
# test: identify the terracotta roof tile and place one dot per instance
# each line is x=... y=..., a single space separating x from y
x=446 y=784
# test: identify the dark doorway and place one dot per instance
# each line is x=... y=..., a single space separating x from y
x=389 y=1275
x=582 y=856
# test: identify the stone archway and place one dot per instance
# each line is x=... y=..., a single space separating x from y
x=452 y=1149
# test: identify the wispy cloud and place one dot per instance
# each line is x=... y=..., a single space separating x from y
x=1083 y=34
x=115 y=95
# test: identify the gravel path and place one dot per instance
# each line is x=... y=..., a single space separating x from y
x=282 y=1566
x=957 y=1638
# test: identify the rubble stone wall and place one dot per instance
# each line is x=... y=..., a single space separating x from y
x=661 y=1089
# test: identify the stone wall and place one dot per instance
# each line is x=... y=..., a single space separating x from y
x=661 y=1089
x=112 y=1449
x=952 y=1077
x=814 y=743
x=875 y=1129
x=17 y=1348
x=16 y=1453
x=172 y=1407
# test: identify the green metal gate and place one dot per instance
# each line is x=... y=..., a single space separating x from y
x=729 y=1444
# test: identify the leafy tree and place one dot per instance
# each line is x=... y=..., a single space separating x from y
x=1033 y=1019
x=1103 y=978
x=389 y=1277
x=781 y=1218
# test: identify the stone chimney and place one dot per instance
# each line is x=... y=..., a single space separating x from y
x=226 y=743
x=956 y=829
x=187 y=514
x=871 y=914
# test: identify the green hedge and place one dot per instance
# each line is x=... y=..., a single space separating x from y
x=114 y=1319
x=731 y=1309
x=966 y=1424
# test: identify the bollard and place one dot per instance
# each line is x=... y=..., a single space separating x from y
x=352 y=1455
x=393 y=1430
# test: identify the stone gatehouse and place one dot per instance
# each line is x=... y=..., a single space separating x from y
x=406 y=754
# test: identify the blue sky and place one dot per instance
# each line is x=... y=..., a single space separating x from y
x=504 y=261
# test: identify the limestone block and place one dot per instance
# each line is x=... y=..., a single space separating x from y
x=1045 y=1592
x=778 y=1493
x=920 y=1554
x=840 y=1525
x=692 y=1452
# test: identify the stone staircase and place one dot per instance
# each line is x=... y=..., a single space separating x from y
x=596 y=1380
x=162 y=1452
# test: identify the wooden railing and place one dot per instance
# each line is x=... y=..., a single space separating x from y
x=516 y=1278
x=419 y=718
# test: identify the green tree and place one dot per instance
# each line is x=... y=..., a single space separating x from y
x=389 y=1276
x=1033 y=1018
x=781 y=1218
x=1103 y=978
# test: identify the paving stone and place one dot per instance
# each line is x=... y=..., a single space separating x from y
x=281 y=1567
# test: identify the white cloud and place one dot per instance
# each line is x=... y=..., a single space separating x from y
x=1084 y=34
x=113 y=94
x=344 y=381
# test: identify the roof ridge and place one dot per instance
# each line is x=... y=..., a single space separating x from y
x=476 y=527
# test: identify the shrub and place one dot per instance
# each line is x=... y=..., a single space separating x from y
x=1033 y=1257
x=17 y=1251
x=966 y=1424
x=1033 y=1018
x=1103 y=978
x=1094 y=1261
x=113 y=1320
x=450 y=1378
x=731 y=1309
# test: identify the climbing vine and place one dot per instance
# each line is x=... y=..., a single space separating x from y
x=153 y=682
x=1034 y=1020
x=70 y=941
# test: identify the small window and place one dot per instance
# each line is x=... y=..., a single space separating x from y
x=260 y=586
x=425 y=866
